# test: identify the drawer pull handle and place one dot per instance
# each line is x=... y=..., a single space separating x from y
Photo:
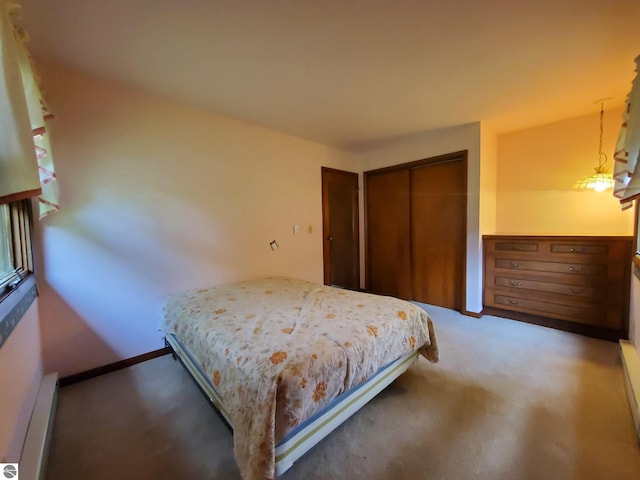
x=576 y=290
x=515 y=283
x=514 y=301
x=514 y=264
x=576 y=249
x=575 y=269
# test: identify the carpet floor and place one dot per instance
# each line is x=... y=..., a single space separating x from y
x=507 y=400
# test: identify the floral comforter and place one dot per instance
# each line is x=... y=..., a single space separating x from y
x=278 y=350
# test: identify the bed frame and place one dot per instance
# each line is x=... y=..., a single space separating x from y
x=312 y=430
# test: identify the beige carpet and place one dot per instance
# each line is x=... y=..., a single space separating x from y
x=507 y=400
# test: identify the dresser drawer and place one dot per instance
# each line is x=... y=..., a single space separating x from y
x=532 y=286
x=516 y=246
x=579 y=248
x=587 y=315
x=553 y=267
x=564 y=250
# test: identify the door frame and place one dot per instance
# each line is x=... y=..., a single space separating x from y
x=326 y=251
x=461 y=155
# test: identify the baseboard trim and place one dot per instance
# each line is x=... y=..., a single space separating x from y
x=631 y=366
x=112 y=367
x=579 y=328
x=33 y=461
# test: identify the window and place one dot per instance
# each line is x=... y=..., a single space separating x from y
x=6 y=255
x=17 y=287
x=26 y=168
x=636 y=234
x=15 y=245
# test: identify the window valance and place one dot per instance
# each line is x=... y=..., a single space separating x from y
x=26 y=167
x=627 y=154
x=18 y=162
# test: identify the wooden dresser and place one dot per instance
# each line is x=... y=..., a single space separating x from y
x=575 y=283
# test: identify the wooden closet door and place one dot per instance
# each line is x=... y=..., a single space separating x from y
x=388 y=233
x=438 y=229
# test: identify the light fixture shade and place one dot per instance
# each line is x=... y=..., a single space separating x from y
x=602 y=179
x=598 y=181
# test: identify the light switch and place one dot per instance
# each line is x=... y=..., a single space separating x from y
x=273 y=245
x=296 y=229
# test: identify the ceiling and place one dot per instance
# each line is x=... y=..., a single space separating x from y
x=354 y=74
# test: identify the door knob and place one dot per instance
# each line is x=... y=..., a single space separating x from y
x=329 y=238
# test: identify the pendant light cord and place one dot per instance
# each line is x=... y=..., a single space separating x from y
x=600 y=153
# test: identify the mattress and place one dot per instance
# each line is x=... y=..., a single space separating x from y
x=313 y=430
x=278 y=353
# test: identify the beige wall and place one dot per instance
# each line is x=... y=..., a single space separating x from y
x=158 y=197
x=536 y=168
x=20 y=377
x=488 y=178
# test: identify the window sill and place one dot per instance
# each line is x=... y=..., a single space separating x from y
x=14 y=305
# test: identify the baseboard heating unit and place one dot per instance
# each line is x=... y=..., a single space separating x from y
x=36 y=445
x=631 y=365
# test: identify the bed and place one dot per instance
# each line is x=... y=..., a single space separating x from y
x=286 y=361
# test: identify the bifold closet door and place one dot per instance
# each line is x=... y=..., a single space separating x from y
x=438 y=226
x=388 y=234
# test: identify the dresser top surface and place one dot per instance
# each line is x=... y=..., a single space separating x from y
x=557 y=237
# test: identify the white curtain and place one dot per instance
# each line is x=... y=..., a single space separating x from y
x=627 y=155
x=18 y=163
x=37 y=112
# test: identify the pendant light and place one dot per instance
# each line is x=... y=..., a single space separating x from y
x=602 y=179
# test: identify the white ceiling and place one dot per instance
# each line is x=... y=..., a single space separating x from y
x=354 y=74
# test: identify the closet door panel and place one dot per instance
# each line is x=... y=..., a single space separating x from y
x=438 y=225
x=388 y=234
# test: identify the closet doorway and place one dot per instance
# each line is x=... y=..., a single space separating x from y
x=416 y=230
